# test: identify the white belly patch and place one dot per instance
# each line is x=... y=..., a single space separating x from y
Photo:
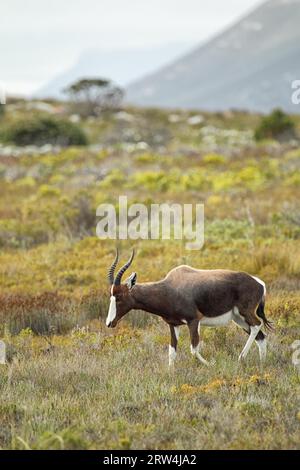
x=220 y=320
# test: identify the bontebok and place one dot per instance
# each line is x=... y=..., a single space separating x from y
x=193 y=297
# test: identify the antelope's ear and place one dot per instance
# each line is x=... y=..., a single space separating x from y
x=131 y=280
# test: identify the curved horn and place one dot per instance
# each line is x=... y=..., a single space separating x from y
x=124 y=268
x=111 y=270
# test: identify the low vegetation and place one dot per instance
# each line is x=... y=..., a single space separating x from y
x=70 y=383
x=277 y=125
x=43 y=130
x=91 y=390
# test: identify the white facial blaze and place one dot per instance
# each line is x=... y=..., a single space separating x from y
x=112 y=311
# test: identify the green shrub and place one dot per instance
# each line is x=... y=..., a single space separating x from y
x=214 y=159
x=276 y=125
x=44 y=130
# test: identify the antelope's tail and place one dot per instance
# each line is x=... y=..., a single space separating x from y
x=261 y=314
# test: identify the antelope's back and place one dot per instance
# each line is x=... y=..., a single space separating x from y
x=215 y=292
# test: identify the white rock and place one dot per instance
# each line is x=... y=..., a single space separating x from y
x=194 y=120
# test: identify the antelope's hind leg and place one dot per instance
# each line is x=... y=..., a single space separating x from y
x=260 y=338
x=262 y=345
x=174 y=330
x=194 y=328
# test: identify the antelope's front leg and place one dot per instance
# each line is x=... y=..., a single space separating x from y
x=194 y=328
x=174 y=330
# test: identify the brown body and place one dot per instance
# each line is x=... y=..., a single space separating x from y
x=187 y=294
x=194 y=297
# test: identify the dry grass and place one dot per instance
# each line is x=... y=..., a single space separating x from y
x=66 y=386
x=91 y=390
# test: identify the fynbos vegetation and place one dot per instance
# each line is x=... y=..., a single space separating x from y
x=278 y=125
x=43 y=130
x=68 y=381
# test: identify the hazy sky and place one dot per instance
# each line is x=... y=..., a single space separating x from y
x=41 y=38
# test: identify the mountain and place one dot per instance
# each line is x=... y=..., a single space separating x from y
x=250 y=65
x=122 y=66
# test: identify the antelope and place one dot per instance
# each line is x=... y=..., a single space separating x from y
x=193 y=297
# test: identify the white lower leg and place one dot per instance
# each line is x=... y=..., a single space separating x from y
x=195 y=352
x=262 y=348
x=172 y=355
x=253 y=332
x=172 y=349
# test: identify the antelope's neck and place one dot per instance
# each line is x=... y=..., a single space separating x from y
x=150 y=297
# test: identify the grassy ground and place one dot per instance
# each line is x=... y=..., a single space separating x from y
x=92 y=390
x=70 y=383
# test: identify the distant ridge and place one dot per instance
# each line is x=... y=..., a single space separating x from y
x=251 y=66
x=121 y=66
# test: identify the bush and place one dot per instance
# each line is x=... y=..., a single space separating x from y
x=92 y=96
x=276 y=125
x=45 y=130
